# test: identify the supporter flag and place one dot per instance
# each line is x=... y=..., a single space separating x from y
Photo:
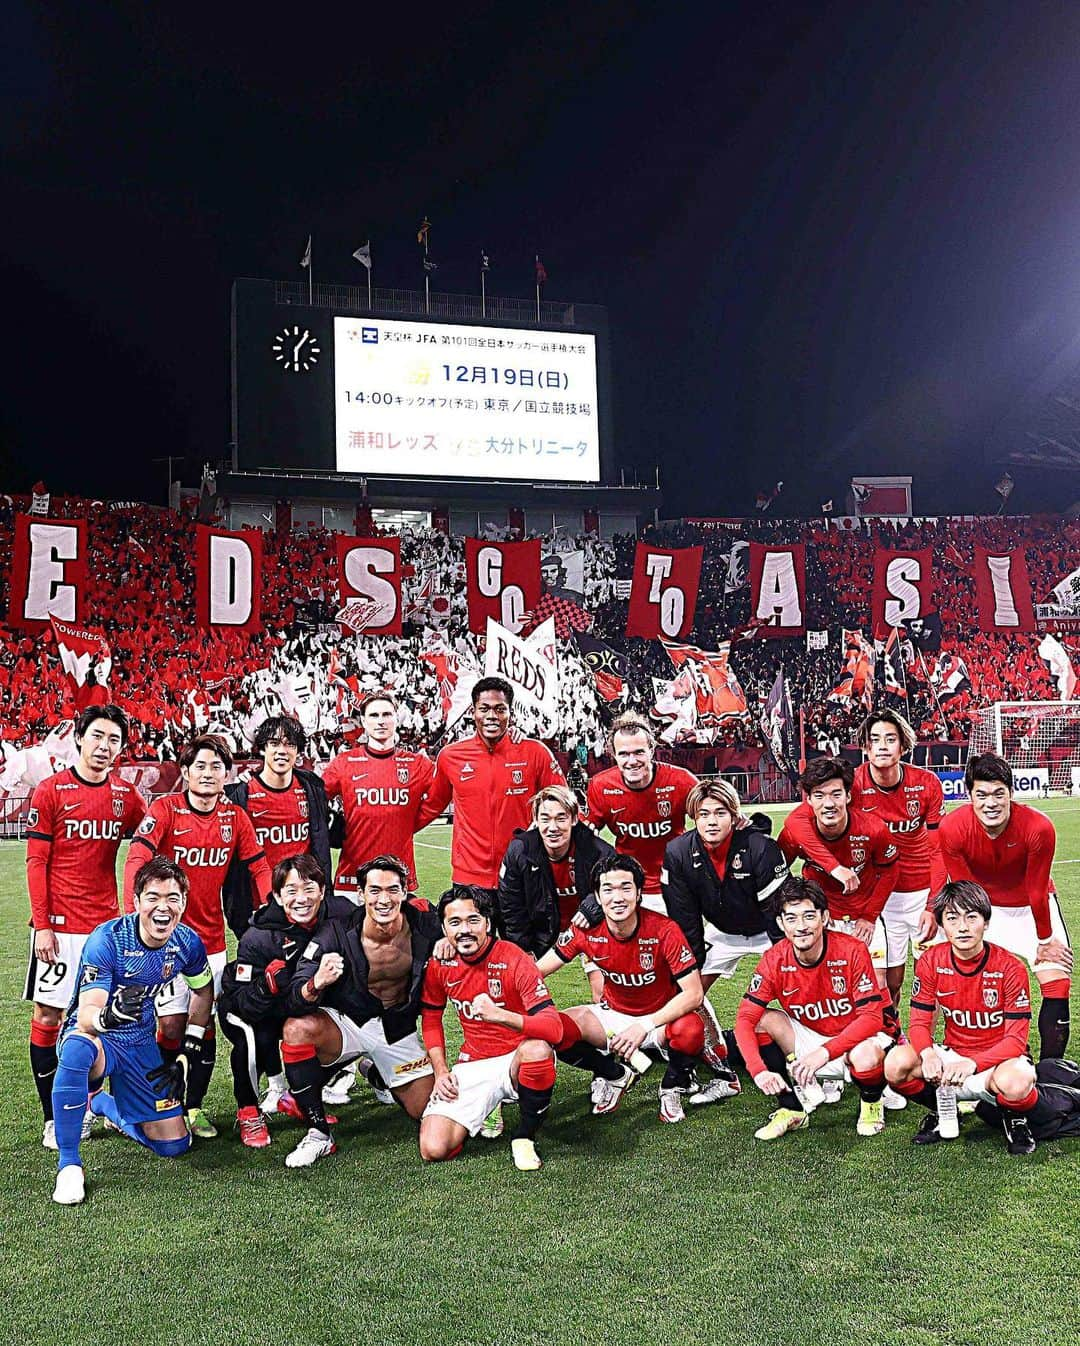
x=925 y=633
x=827 y=507
x=86 y=660
x=305 y=261
x=1004 y=486
x=454 y=677
x=502 y=581
x=663 y=592
x=369 y=585
x=1003 y=591
x=738 y=567
x=1066 y=593
x=228 y=579
x=541 y=273
x=423 y=232
x=902 y=590
x=675 y=704
x=363 y=255
x=719 y=696
x=764 y=499
x=48 y=572
x=39 y=504
x=856 y=682
x=1056 y=657
x=950 y=676
x=561 y=598
x=779 y=725
x=890 y=663
x=882 y=495
x=25 y=768
x=528 y=666
x=778 y=588
x=609 y=668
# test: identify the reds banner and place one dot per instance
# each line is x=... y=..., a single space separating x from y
x=663 y=593
x=228 y=579
x=903 y=588
x=369 y=582
x=502 y=581
x=778 y=589
x=1003 y=591
x=48 y=571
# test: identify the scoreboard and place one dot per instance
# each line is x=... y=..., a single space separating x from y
x=366 y=394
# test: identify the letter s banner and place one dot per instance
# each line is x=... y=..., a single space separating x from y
x=369 y=575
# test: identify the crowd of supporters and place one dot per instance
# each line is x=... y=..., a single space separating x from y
x=172 y=677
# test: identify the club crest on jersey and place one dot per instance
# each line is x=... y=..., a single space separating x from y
x=646 y=958
x=302 y=805
x=495 y=988
x=517 y=776
x=913 y=808
x=118 y=806
x=755 y=983
x=839 y=985
x=167 y=969
x=565 y=937
x=403 y=774
x=737 y=862
x=663 y=808
x=147 y=826
x=858 y=855
x=226 y=832
x=990 y=997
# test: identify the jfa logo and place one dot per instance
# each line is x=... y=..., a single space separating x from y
x=369 y=336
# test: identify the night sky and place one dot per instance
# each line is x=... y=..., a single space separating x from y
x=831 y=237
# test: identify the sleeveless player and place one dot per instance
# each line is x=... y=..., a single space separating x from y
x=652 y=990
x=287 y=807
x=201 y=831
x=356 y=991
x=109 y=1030
x=1008 y=848
x=509 y=1024
x=829 y=1025
x=381 y=787
x=76 y=822
x=982 y=991
x=642 y=801
x=491 y=778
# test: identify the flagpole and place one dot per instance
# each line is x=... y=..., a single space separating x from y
x=483 y=293
x=933 y=689
x=427 y=275
x=369 y=287
x=310 y=279
x=538 y=301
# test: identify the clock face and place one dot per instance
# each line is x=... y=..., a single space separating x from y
x=295 y=349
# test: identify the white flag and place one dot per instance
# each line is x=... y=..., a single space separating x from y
x=306 y=259
x=363 y=255
x=1061 y=669
x=527 y=666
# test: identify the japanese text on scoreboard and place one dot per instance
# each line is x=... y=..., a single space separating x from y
x=440 y=400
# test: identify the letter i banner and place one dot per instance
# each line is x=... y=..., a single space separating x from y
x=228 y=579
x=369 y=583
x=903 y=589
x=48 y=572
x=1003 y=591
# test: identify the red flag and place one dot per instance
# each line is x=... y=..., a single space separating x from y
x=502 y=581
x=369 y=582
x=903 y=588
x=48 y=571
x=778 y=589
x=663 y=593
x=1003 y=591
x=228 y=579
x=719 y=696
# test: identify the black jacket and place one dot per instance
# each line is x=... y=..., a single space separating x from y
x=527 y=899
x=350 y=995
x=694 y=894
x=270 y=938
x=236 y=890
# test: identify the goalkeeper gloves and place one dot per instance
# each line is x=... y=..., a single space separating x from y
x=171 y=1078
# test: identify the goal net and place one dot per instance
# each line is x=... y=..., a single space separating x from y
x=1039 y=739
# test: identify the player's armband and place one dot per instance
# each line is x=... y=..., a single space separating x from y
x=196 y=981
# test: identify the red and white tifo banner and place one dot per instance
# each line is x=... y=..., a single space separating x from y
x=778 y=589
x=369 y=582
x=663 y=592
x=48 y=571
x=903 y=588
x=502 y=581
x=1003 y=591
x=228 y=579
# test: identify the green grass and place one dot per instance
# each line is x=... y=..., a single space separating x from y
x=633 y=1232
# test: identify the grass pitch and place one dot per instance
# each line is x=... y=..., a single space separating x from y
x=634 y=1231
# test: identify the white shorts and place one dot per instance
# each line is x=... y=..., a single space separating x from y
x=613 y=1021
x=724 y=951
x=901 y=916
x=399 y=1063
x=53 y=984
x=482 y=1086
x=175 y=996
x=654 y=902
x=974 y=1088
x=807 y=1040
x=878 y=942
x=1013 y=928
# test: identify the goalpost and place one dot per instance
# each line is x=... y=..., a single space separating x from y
x=1039 y=739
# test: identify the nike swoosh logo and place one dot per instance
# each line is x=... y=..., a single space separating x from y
x=261 y=814
x=620 y=809
x=697 y=864
x=181 y=831
x=943 y=994
x=70 y=806
x=44 y=1074
x=789 y=990
x=868 y=808
x=70 y=1107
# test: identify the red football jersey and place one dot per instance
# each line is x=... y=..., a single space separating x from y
x=911 y=810
x=504 y=972
x=642 y=973
x=74 y=830
x=1013 y=867
x=641 y=821
x=866 y=846
x=566 y=893
x=203 y=845
x=280 y=819
x=986 y=1002
x=381 y=793
x=837 y=996
x=491 y=789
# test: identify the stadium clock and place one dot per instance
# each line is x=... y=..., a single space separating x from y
x=295 y=349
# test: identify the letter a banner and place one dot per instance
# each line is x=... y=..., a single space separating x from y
x=778 y=589
x=48 y=571
x=369 y=582
x=1003 y=591
x=663 y=594
x=903 y=589
x=228 y=579
x=502 y=581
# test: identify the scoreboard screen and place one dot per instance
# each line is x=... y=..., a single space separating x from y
x=411 y=397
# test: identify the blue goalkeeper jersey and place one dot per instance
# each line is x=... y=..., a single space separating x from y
x=114 y=957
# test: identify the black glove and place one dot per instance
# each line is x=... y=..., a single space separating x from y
x=170 y=1079
x=124 y=1007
